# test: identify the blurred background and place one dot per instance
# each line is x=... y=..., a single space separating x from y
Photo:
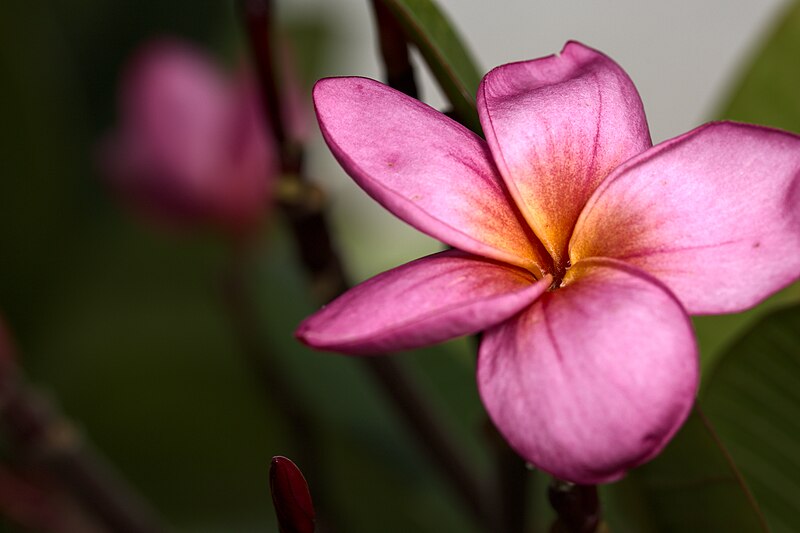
x=124 y=324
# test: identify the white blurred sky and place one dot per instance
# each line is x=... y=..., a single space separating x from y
x=681 y=54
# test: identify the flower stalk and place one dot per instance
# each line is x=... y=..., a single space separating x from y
x=257 y=16
x=577 y=507
x=303 y=207
x=398 y=70
x=512 y=478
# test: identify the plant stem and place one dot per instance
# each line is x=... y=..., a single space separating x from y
x=304 y=211
x=303 y=206
x=513 y=477
x=394 y=50
x=258 y=17
x=43 y=435
x=577 y=507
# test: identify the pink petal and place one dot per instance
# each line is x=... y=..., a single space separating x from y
x=556 y=127
x=715 y=214
x=429 y=300
x=425 y=168
x=594 y=378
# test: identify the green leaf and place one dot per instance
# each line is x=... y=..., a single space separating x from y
x=716 y=332
x=767 y=93
x=753 y=396
x=449 y=60
x=692 y=486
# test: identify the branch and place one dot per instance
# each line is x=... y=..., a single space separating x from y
x=577 y=507
x=45 y=436
x=513 y=476
x=394 y=50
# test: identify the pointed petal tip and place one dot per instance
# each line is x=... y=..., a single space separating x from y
x=321 y=90
x=310 y=333
x=324 y=84
x=427 y=301
x=278 y=460
x=573 y=47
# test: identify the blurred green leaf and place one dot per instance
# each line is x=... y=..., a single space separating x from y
x=716 y=332
x=445 y=53
x=767 y=93
x=691 y=487
x=753 y=396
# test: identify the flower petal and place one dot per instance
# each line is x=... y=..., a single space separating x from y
x=556 y=127
x=594 y=378
x=714 y=214
x=429 y=300
x=424 y=167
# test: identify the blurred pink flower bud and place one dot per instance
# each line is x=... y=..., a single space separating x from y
x=191 y=146
x=290 y=496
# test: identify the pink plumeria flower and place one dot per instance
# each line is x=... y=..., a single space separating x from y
x=580 y=249
x=192 y=148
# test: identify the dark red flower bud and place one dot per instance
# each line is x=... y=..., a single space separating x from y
x=290 y=496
